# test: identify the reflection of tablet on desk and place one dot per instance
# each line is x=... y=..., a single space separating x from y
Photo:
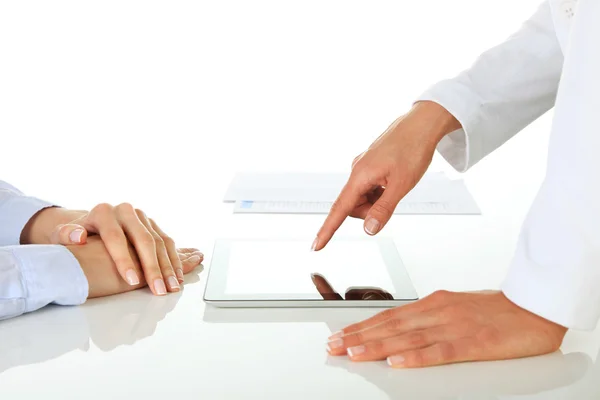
x=284 y=273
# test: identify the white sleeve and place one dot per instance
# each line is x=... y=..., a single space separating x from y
x=507 y=88
x=34 y=276
x=16 y=210
x=556 y=269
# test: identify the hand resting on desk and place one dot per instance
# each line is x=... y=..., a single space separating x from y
x=102 y=273
x=449 y=327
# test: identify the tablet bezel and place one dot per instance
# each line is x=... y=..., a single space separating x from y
x=215 y=295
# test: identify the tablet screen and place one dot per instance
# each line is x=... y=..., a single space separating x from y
x=288 y=270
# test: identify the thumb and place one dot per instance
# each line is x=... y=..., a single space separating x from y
x=382 y=210
x=68 y=234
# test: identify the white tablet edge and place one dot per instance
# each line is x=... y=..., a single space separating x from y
x=214 y=292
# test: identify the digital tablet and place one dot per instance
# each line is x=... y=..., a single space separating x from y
x=365 y=272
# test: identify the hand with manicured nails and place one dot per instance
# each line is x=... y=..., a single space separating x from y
x=444 y=327
x=118 y=227
x=448 y=327
x=102 y=274
x=388 y=170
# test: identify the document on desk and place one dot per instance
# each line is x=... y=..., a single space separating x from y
x=315 y=193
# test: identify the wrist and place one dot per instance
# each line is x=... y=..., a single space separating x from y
x=431 y=121
x=40 y=227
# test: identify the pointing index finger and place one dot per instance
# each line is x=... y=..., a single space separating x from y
x=340 y=210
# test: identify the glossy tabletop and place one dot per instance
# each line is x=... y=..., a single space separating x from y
x=139 y=346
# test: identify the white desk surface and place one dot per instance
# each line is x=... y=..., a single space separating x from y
x=143 y=347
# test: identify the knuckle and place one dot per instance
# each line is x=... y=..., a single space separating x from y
x=125 y=208
x=168 y=241
x=361 y=175
x=375 y=347
x=488 y=336
x=122 y=263
x=356 y=338
x=103 y=208
x=386 y=314
x=167 y=269
x=417 y=339
x=383 y=207
x=440 y=295
x=358 y=165
x=394 y=325
x=147 y=240
x=447 y=352
x=158 y=240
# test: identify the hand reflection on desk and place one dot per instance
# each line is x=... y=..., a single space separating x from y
x=354 y=293
x=108 y=322
x=553 y=376
x=556 y=375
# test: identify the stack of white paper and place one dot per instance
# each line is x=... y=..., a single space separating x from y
x=311 y=193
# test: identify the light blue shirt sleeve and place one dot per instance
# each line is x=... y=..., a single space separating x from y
x=34 y=276
x=16 y=210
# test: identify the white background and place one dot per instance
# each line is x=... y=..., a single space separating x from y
x=158 y=103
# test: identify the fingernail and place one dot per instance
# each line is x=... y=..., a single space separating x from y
x=179 y=273
x=356 y=350
x=334 y=344
x=76 y=235
x=194 y=259
x=395 y=361
x=336 y=335
x=132 y=278
x=372 y=226
x=315 y=243
x=159 y=287
x=173 y=283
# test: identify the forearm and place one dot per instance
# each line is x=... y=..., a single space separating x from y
x=508 y=87
x=432 y=121
x=39 y=228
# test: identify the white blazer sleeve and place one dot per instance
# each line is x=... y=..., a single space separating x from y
x=556 y=269
x=507 y=88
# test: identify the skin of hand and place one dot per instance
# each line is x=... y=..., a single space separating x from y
x=444 y=327
x=102 y=273
x=388 y=170
x=117 y=226
x=448 y=327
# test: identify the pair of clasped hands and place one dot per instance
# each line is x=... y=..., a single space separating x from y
x=118 y=248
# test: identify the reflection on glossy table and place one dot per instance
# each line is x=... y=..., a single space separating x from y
x=139 y=346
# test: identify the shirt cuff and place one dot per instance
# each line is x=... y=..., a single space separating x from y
x=51 y=274
x=462 y=148
x=15 y=212
x=553 y=295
